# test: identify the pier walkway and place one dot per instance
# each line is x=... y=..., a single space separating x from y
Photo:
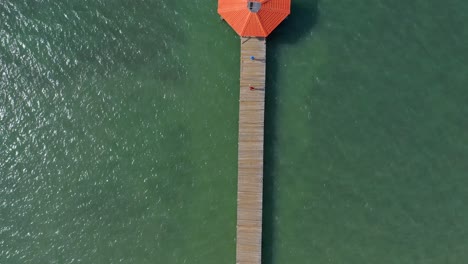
x=250 y=164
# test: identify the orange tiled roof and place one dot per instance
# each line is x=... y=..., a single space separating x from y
x=254 y=18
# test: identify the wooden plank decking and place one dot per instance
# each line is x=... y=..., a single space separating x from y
x=250 y=164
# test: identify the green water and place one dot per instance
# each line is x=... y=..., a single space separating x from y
x=118 y=133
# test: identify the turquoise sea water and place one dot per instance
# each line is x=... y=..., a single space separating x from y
x=118 y=133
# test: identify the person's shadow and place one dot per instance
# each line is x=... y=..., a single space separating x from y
x=301 y=21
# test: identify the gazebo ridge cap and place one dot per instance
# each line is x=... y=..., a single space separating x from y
x=254 y=6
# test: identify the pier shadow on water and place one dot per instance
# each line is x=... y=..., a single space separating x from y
x=304 y=16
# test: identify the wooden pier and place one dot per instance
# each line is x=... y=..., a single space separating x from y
x=250 y=163
x=253 y=21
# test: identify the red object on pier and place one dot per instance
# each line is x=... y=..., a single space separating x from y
x=254 y=18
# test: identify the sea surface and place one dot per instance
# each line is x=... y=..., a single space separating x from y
x=118 y=133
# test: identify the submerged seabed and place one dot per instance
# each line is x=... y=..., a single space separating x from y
x=118 y=132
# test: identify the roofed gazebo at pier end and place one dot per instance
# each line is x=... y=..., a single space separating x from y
x=254 y=18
